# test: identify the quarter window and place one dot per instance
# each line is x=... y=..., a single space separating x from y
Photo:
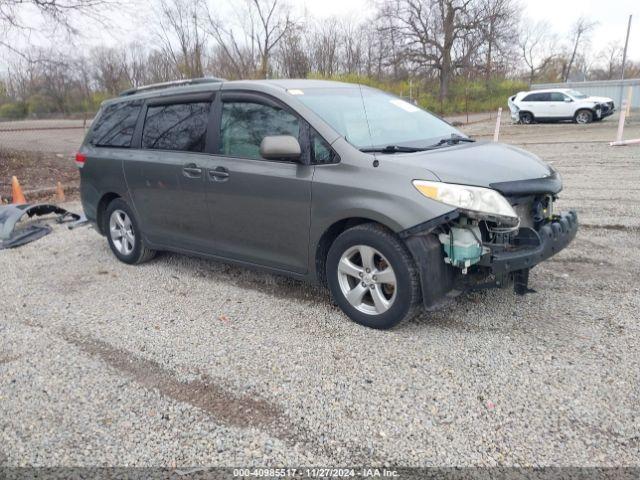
x=181 y=126
x=114 y=127
x=245 y=124
x=321 y=151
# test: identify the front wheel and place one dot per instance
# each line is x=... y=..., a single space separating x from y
x=372 y=277
x=526 y=118
x=584 y=116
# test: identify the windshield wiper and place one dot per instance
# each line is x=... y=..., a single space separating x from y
x=454 y=139
x=392 y=149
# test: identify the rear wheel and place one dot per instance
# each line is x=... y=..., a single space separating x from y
x=123 y=234
x=584 y=116
x=372 y=277
x=526 y=118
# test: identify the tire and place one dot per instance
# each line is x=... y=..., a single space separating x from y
x=384 y=296
x=583 y=116
x=123 y=234
x=526 y=118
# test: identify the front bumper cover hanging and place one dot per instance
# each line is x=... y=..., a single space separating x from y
x=10 y=215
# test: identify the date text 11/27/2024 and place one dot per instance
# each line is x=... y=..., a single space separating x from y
x=314 y=472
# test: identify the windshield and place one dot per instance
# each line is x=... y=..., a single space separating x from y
x=576 y=94
x=370 y=118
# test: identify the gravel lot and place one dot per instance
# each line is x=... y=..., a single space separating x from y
x=184 y=362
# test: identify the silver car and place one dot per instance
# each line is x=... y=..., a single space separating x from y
x=389 y=206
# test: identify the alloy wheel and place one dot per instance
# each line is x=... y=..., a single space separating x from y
x=121 y=232
x=583 y=117
x=367 y=279
x=526 y=118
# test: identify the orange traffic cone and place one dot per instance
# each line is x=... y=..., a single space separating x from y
x=16 y=192
x=59 y=192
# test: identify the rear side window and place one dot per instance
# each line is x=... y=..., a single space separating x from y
x=115 y=125
x=537 y=97
x=245 y=124
x=180 y=126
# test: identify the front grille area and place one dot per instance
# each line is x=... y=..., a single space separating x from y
x=532 y=209
x=607 y=107
x=524 y=213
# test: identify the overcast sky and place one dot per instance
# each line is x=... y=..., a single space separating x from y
x=612 y=15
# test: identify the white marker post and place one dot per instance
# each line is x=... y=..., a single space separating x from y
x=496 y=134
x=623 y=114
x=619 y=142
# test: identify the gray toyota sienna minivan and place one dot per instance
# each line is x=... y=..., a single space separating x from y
x=388 y=205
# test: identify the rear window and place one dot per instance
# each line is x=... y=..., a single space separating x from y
x=114 y=127
x=180 y=126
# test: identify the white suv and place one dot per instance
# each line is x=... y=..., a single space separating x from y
x=558 y=104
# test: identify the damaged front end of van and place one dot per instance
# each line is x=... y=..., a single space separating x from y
x=492 y=239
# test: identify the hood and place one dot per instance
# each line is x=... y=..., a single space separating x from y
x=599 y=99
x=480 y=164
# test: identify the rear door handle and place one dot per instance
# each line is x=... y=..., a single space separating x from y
x=219 y=174
x=191 y=170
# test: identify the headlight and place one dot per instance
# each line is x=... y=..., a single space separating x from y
x=473 y=200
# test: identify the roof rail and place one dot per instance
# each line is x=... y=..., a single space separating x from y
x=173 y=83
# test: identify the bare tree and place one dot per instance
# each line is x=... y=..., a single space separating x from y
x=579 y=31
x=432 y=32
x=54 y=13
x=159 y=67
x=499 y=27
x=109 y=70
x=611 y=57
x=273 y=21
x=136 y=60
x=60 y=12
x=234 y=52
x=352 y=47
x=324 y=45
x=181 y=35
x=538 y=46
x=249 y=42
x=292 y=57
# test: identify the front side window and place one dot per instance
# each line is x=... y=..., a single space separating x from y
x=180 y=126
x=367 y=117
x=115 y=125
x=245 y=124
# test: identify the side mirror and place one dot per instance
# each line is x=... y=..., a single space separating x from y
x=280 y=147
x=567 y=100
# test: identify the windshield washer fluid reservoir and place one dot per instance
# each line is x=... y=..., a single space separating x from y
x=462 y=246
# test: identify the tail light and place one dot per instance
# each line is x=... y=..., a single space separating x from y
x=80 y=159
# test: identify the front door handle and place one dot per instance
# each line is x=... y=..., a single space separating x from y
x=219 y=174
x=191 y=170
